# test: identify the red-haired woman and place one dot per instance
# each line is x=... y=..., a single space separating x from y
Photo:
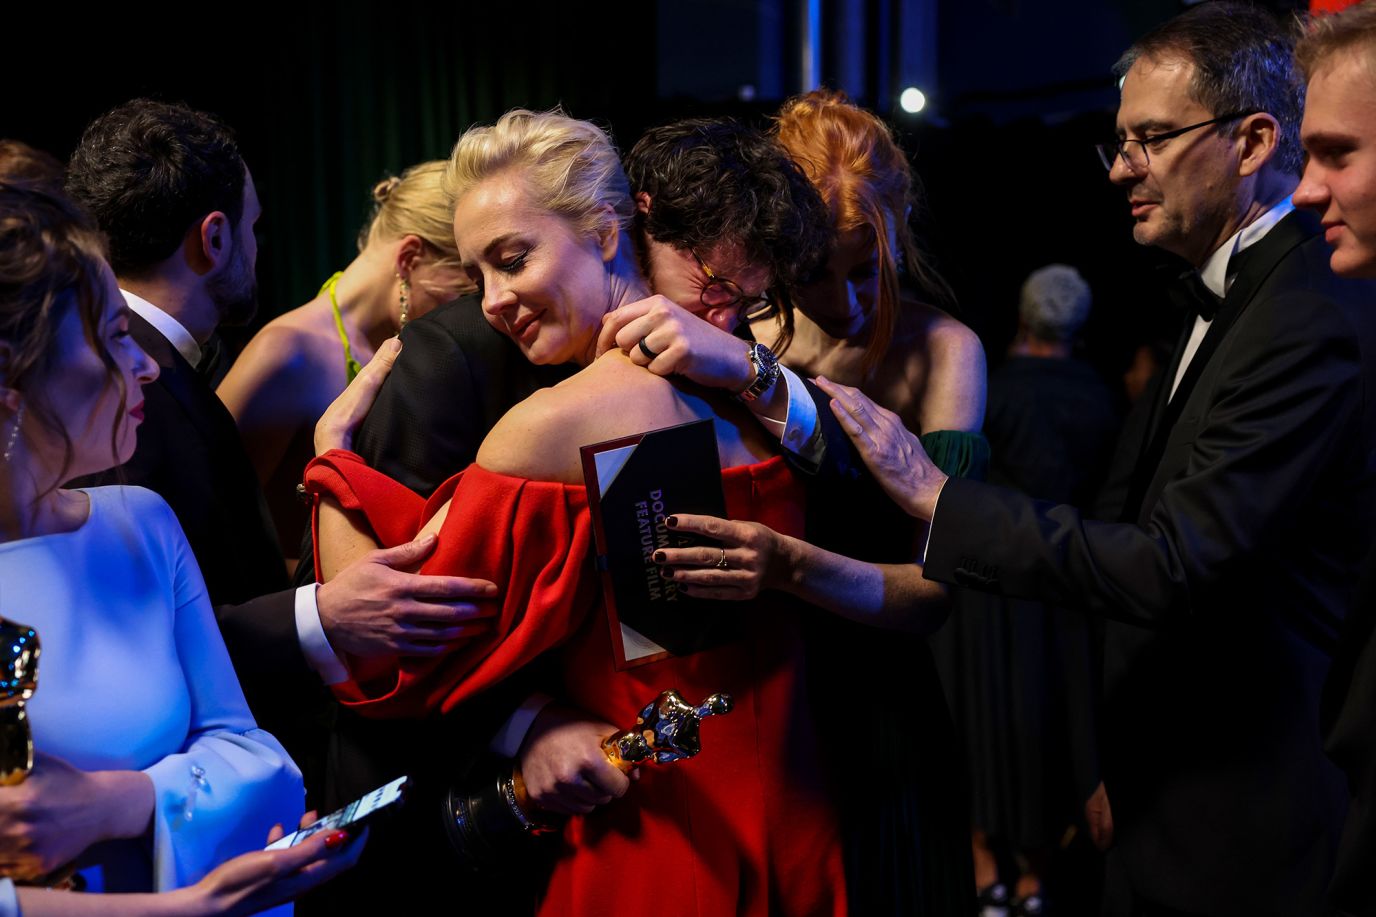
x=896 y=770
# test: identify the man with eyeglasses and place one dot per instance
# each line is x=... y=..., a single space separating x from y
x=1249 y=484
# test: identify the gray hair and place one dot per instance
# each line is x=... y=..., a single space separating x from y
x=1054 y=303
x=1243 y=59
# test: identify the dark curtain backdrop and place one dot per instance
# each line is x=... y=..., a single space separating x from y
x=328 y=98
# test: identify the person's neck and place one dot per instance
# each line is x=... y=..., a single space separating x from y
x=187 y=302
x=365 y=292
x=1034 y=347
x=29 y=503
x=813 y=351
x=625 y=285
x=1266 y=191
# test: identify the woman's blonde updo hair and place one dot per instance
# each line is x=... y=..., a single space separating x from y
x=414 y=204
x=863 y=176
x=571 y=167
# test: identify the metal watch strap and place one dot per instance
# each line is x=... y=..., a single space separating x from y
x=767 y=372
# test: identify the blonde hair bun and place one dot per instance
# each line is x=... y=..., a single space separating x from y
x=383 y=189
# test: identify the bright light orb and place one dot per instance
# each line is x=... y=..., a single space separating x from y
x=912 y=100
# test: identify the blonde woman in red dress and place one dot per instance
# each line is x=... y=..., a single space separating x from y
x=745 y=827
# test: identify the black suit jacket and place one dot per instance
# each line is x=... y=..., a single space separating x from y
x=1349 y=733
x=1225 y=590
x=190 y=454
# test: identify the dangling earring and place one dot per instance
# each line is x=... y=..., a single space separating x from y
x=405 y=298
x=14 y=433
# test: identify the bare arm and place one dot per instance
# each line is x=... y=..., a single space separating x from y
x=369 y=607
x=685 y=345
x=889 y=596
x=957 y=381
x=344 y=537
x=273 y=392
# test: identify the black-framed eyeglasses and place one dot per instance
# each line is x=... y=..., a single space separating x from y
x=1134 y=152
x=719 y=292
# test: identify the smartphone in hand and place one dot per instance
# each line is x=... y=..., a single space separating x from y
x=351 y=817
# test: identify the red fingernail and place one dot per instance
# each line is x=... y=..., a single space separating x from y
x=672 y=522
x=336 y=839
x=667 y=573
x=659 y=557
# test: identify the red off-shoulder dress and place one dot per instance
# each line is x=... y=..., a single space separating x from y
x=745 y=827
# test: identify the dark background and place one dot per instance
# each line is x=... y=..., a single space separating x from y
x=327 y=98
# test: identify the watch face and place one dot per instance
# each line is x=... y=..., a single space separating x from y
x=766 y=357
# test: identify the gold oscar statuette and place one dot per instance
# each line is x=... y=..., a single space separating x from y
x=19 y=650
x=483 y=826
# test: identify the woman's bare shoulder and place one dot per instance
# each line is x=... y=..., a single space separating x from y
x=540 y=437
x=286 y=355
x=948 y=359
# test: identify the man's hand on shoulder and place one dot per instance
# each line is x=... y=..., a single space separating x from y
x=372 y=608
x=678 y=342
x=894 y=455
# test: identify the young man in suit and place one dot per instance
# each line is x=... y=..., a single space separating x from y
x=1249 y=502
x=171 y=192
x=1339 y=184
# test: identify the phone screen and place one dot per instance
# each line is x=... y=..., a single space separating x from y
x=354 y=812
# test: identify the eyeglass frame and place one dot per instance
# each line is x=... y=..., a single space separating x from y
x=750 y=307
x=1118 y=146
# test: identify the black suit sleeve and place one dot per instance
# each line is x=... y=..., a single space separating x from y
x=419 y=431
x=261 y=637
x=1286 y=410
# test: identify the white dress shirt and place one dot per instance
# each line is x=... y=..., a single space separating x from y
x=1218 y=273
x=167 y=326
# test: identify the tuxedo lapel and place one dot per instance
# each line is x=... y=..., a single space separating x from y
x=180 y=380
x=1256 y=264
x=1145 y=466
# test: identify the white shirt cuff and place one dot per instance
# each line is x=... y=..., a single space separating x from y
x=927 y=539
x=315 y=646
x=507 y=741
x=800 y=432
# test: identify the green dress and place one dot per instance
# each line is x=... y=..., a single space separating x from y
x=897 y=764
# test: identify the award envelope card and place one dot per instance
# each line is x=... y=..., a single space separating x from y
x=634 y=483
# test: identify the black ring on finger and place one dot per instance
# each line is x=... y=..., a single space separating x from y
x=646 y=350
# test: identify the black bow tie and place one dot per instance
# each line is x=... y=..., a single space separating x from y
x=1190 y=291
x=212 y=366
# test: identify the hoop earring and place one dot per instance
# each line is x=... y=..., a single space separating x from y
x=405 y=299
x=14 y=433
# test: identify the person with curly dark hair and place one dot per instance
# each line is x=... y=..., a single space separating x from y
x=714 y=187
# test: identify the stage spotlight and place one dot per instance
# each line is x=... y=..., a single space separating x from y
x=912 y=100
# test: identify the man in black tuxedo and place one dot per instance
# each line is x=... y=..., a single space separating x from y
x=168 y=187
x=1339 y=184
x=1249 y=499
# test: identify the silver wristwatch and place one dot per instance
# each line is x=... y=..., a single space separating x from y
x=767 y=372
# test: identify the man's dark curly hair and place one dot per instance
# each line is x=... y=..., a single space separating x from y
x=149 y=171
x=713 y=180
